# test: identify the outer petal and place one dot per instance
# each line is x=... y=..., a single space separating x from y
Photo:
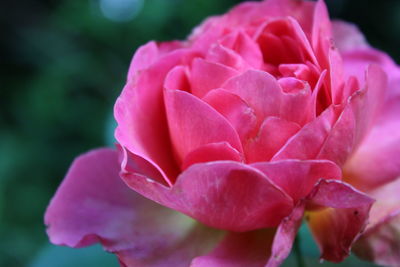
x=355 y=120
x=139 y=111
x=223 y=194
x=321 y=31
x=380 y=242
x=250 y=249
x=285 y=236
x=251 y=12
x=298 y=177
x=193 y=123
x=337 y=226
x=347 y=36
x=94 y=205
x=377 y=161
x=143 y=58
x=148 y=54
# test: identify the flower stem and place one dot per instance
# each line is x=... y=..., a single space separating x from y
x=299 y=255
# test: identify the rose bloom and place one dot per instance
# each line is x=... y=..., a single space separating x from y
x=266 y=115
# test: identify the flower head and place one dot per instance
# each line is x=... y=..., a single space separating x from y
x=262 y=115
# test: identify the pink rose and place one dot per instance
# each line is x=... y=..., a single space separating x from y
x=265 y=115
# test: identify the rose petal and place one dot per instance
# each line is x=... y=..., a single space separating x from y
x=216 y=193
x=260 y=90
x=142 y=126
x=244 y=46
x=347 y=36
x=193 y=123
x=250 y=249
x=321 y=31
x=285 y=236
x=337 y=226
x=133 y=162
x=356 y=119
x=341 y=139
x=273 y=134
x=198 y=241
x=251 y=12
x=211 y=152
x=380 y=241
x=377 y=160
x=297 y=103
x=225 y=56
x=307 y=143
x=387 y=203
x=148 y=54
x=207 y=75
x=177 y=79
x=234 y=109
x=94 y=205
x=381 y=246
x=298 y=177
x=144 y=56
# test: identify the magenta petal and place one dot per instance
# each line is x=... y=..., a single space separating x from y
x=207 y=75
x=135 y=163
x=211 y=152
x=347 y=36
x=359 y=114
x=285 y=236
x=193 y=123
x=144 y=56
x=194 y=241
x=357 y=61
x=321 y=30
x=273 y=134
x=94 y=205
x=250 y=249
x=301 y=38
x=297 y=103
x=260 y=90
x=79 y=214
x=376 y=90
x=234 y=109
x=297 y=177
x=377 y=161
x=244 y=46
x=139 y=111
x=336 y=227
x=307 y=143
x=341 y=139
x=381 y=245
x=225 y=56
x=356 y=119
x=177 y=79
x=380 y=241
x=216 y=193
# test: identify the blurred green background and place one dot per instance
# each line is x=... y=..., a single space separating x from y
x=63 y=63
